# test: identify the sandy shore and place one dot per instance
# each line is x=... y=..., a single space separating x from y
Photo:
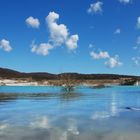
x=16 y=82
x=8 y=82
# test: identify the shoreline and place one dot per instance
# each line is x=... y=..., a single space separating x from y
x=64 y=83
x=9 y=77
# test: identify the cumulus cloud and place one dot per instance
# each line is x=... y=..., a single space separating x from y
x=110 y=62
x=71 y=42
x=5 y=45
x=117 y=31
x=125 y=1
x=113 y=62
x=136 y=60
x=58 y=35
x=32 y=22
x=137 y=46
x=100 y=55
x=58 y=32
x=95 y=7
x=41 y=49
x=138 y=22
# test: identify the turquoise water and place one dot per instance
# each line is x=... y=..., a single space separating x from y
x=48 y=113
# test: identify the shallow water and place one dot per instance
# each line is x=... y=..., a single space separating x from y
x=48 y=113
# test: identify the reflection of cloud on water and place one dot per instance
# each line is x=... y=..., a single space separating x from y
x=100 y=115
x=71 y=131
x=114 y=105
x=41 y=122
x=3 y=127
x=55 y=131
x=41 y=127
x=63 y=136
x=72 y=127
x=122 y=136
x=111 y=112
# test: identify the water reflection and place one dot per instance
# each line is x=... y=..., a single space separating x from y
x=41 y=122
x=3 y=126
x=39 y=129
x=84 y=114
x=111 y=110
x=58 y=133
x=5 y=97
x=72 y=127
x=70 y=96
x=100 y=115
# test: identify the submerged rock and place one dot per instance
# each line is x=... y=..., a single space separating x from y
x=132 y=108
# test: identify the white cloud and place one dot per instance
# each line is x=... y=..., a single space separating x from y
x=72 y=42
x=100 y=55
x=95 y=7
x=138 y=22
x=58 y=32
x=136 y=60
x=42 y=49
x=138 y=40
x=5 y=45
x=125 y=1
x=117 y=31
x=32 y=22
x=113 y=62
x=137 y=46
x=58 y=35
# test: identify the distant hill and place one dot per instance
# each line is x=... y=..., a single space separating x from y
x=8 y=73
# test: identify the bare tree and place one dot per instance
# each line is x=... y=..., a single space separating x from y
x=68 y=82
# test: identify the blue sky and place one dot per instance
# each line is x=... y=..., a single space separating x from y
x=87 y=36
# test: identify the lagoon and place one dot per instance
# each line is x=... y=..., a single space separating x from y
x=48 y=113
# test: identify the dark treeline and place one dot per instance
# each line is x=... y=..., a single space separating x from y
x=8 y=73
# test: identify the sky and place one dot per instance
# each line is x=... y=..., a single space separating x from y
x=83 y=36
